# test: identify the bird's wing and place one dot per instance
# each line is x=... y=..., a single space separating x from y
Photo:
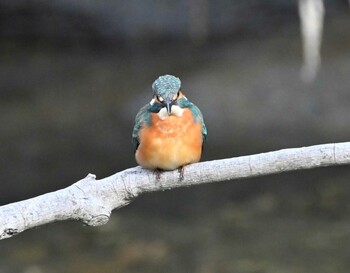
x=142 y=117
x=199 y=118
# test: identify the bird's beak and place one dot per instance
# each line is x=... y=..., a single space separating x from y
x=168 y=105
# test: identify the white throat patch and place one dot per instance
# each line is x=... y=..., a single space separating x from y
x=175 y=110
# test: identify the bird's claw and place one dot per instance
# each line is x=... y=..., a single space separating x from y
x=181 y=171
x=157 y=173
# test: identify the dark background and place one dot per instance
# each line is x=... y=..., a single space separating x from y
x=73 y=75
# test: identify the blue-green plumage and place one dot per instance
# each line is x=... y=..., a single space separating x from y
x=166 y=91
x=166 y=85
x=197 y=114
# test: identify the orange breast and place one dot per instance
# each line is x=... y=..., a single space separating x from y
x=170 y=143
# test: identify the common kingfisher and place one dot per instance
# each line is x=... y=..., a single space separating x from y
x=169 y=131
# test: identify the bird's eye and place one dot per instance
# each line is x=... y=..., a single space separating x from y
x=160 y=99
x=176 y=95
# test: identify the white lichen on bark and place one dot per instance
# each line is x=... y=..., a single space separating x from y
x=92 y=201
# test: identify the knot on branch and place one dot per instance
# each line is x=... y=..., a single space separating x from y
x=8 y=233
x=94 y=213
x=97 y=220
x=90 y=208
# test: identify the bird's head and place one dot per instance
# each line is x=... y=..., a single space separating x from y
x=166 y=91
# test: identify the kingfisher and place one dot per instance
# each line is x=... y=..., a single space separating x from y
x=169 y=131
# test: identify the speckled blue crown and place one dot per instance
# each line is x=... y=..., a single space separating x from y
x=166 y=85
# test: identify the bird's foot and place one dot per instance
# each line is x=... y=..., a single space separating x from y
x=181 y=171
x=157 y=173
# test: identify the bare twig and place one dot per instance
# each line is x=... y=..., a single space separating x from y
x=91 y=201
x=311 y=14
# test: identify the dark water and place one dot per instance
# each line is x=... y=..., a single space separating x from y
x=65 y=113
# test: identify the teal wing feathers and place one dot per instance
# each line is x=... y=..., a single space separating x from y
x=142 y=117
x=199 y=118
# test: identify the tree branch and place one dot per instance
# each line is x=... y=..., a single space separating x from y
x=91 y=201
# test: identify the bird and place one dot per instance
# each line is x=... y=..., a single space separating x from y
x=169 y=131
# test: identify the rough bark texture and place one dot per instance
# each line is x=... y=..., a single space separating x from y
x=92 y=201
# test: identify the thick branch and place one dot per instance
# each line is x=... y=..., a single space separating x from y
x=91 y=201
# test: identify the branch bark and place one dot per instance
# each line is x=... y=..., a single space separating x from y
x=92 y=201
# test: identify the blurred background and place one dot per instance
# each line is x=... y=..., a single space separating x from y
x=73 y=74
